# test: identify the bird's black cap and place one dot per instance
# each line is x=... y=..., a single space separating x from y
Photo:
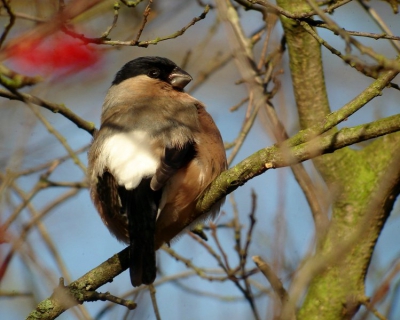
x=154 y=67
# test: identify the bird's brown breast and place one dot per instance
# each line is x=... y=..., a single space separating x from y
x=185 y=187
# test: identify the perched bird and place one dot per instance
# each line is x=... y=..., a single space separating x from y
x=156 y=151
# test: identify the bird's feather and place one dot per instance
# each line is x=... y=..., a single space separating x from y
x=141 y=206
x=174 y=158
x=157 y=150
x=130 y=157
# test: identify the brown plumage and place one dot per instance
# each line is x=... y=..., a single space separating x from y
x=156 y=151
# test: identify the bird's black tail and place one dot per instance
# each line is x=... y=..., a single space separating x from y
x=142 y=205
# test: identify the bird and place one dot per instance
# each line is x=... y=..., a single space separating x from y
x=156 y=151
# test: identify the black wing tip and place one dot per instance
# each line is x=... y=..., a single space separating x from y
x=138 y=277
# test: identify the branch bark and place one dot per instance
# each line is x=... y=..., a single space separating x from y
x=228 y=181
x=71 y=295
x=352 y=176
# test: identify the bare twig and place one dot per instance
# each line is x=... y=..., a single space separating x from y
x=96 y=296
x=16 y=80
x=381 y=23
x=152 y=291
x=34 y=221
x=273 y=279
x=131 y=4
x=56 y=108
x=199 y=271
x=157 y=283
x=15 y=294
x=50 y=164
x=383 y=62
x=351 y=60
x=10 y=23
x=371 y=308
x=246 y=65
x=212 y=67
x=146 y=13
x=372 y=35
x=244 y=131
x=235 y=108
x=114 y=23
x=58 y=135
x=276 y=9
x=144 y=43
x=177 y=33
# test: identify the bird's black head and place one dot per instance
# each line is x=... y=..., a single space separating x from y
x=156 y=68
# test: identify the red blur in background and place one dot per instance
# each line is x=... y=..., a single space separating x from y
x=58 y=54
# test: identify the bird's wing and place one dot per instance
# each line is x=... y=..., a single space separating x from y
x=106 y=197
x=174 y=158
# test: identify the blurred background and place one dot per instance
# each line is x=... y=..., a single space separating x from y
x=70 y=239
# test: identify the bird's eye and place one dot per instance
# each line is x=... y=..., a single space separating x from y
x=154 y=73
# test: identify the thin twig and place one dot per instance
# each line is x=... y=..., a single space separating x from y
x=276 y=9
x=381 y=23
x=143 y=44
x=371 y=308
x=236 y=107
x=34 y=221
x=114 y=23
x=245 y=61
x=243 y=260
x=245 y=130
x=215 y=64
x=217 y=242
x=106 y=296
x=25 y=16
x=146 y=13
x=382 y=61
x=352 y=61
x=372 y=35
x=15 y=294
x=10 y=23
x=52 y=163
x=272 y=278
x=56 y=108
x=157 y=283
x=35 y=190
x=249 y=230
x=199 y=271
x=152 y=291
x=131 y=4
x=58 y=135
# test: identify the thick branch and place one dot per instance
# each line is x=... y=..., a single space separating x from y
x=258 y=163
x=53 y=306
x=275 y=157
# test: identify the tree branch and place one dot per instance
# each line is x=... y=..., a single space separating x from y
x=53 y=107
x=278 y=157
x=228 y=181
x=55 y=305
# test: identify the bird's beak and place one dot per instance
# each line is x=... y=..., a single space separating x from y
x=179 y=78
